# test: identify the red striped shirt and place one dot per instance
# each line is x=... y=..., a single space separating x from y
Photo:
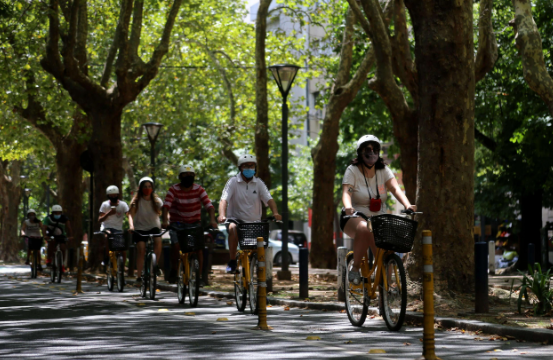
x=186 y=206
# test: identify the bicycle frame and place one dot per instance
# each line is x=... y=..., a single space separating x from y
x=244 y=257
x=186 y=264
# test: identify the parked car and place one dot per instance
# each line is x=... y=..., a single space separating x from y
x=294 y=236
x=293 y=250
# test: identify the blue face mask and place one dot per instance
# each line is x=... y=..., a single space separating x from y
x=57 y=217
x=248 y=173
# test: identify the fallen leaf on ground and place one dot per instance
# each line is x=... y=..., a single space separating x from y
x=377 y=351
x=157 y=290
x=407 y=344
x=140 y=304
x=229 y=302
x=190 y=314
x=287 y=309
x=162 y=310
x=214 y=332
x=222 y=319
x=312 y=338
x=348 y=342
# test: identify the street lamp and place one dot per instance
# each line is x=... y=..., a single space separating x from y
x=284 y=76
x=27 y=193
x=152 y=128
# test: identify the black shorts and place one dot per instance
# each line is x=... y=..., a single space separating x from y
x=137 y=238
x=342 y=220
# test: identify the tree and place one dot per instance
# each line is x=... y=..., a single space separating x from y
x=10 y=196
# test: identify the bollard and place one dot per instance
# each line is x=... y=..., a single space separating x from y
x=531 y=254
x=428 y=344
x=491 y=257
x=269 y=268
x=342 y=253
x=481 y=277
x=79 y=289
x=304 y=273
x=261 y=287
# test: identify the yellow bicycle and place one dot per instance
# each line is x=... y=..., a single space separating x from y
x=383 y=275
x=116 y=264
x=191 y=240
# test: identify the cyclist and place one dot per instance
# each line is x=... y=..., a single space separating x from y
x=144 y=215
x=31 y=229
x=364 y=189
x=184 y=202
x=58 y=225
x=243 y=194
x=112 y=214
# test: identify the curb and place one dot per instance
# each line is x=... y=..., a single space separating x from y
x=530 y=335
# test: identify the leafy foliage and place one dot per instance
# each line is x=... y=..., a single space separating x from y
x=539 y=284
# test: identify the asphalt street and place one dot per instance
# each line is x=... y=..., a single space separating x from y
x=40 y=319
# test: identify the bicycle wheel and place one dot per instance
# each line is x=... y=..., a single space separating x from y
x=181 y=286
x=356 y=304
x=120 y=273
x=194 y=281
x=153 y=277
x=144 y=284
x=53 y=270
x=240 y=292
x=253 y=284
x=34 y=265
x=109 y=276
x=394 y=299
x=59 y=266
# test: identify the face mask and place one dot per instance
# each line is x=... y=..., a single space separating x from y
x=369 y=157
x=248 y=173
x=147 y=192
x=187 y=181
x=57 y=217
x=32 y=217
x=113 y=200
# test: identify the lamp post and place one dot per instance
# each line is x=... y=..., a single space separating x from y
x=284 y=76
x=27 y=193
x=152 y=128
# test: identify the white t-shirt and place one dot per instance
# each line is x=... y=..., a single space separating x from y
x=114 y=221
x=244 y=199
x=146 y=218
x=360 y=196
x=32 y=229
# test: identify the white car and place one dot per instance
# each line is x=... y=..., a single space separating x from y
x=293 y=250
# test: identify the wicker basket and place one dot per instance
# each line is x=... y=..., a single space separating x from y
x=190 y=238
x=249 y=232
x=393 y=232
x=116 y=242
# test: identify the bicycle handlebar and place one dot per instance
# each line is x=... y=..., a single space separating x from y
x=237 y=221
x=367 y=218
x=153 y=235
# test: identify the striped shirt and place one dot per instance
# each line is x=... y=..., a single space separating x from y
x=186 y=206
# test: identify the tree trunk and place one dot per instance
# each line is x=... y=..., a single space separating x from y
x=10 y=197
x=261 y=105
x=445 y=64
x=406 y=133
x=107 y=154
x=531 y=223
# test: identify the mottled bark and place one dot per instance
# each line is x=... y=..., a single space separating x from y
x=444 y=53
x=10 y=197
x=528 y=42
x=486 y=55
x=261 y=102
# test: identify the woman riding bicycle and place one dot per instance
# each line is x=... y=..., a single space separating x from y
x=58 y=225
x=32 y=230
x=144 y=215
x=364 y=189
x=112 y=214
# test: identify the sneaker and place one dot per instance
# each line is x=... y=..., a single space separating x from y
x=354 y=277
x=231 y=267
x=139 y=280
x=158 y=271
x=172 y=278
x=27 y=262
x=39 y=268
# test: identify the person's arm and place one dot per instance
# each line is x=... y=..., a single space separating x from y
x=347 y=190
x=42 y=229
x=131 y=214
x=223 y=211
x=394 y=188
x=164 y=217
x=213 y=221
x=23 y=228
x=104 y=216
x=273 y=206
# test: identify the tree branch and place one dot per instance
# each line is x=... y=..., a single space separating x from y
x=488 y=142
x=108 y=66
x=52 y=62
x=486 y=55
x=136 y=30
x=528 y=42
x=82 y=34
x=360 y=16
x=123 y=62
x=346 y=58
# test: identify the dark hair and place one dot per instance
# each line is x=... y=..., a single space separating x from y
x=138 y=196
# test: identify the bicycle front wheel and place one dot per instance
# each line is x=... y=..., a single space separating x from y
x=356 y=304
x=120 y=273
x=253 y=284
x=34 y=265
x=153 y=277
x=394 y=297
x=59 y=266
x=144 y=284
x=240 y=292
x=194 y=281
x=109 y=275
x=181 y=286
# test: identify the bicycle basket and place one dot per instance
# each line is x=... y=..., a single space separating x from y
x=249 y=232
x=393 y=232
x=35 y=243
x=190 y=238
x=116 y=242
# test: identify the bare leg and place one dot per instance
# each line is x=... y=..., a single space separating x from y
x=157 y=248
x=356 y=228
x=175 y=249
x=140 y=250
x=232 y=240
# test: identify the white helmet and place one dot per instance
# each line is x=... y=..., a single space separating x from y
x=56 y=208
x=246 y=159
x=31 y=211
x=146 y=178
x=186 y=168
x=112 y=189
x=366 y=138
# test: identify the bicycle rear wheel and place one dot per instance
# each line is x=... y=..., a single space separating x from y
x=59 y=266
x=153 y=277
x=356 y=304
x=194 y=281
x=120 y=273
x=181 y=286
x=109 y=275
x=394 y=298
x=34 y=265
x=253 y=284
x=240 y=292
x=144 y=284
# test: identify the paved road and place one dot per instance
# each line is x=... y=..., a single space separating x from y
x=42 y=319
